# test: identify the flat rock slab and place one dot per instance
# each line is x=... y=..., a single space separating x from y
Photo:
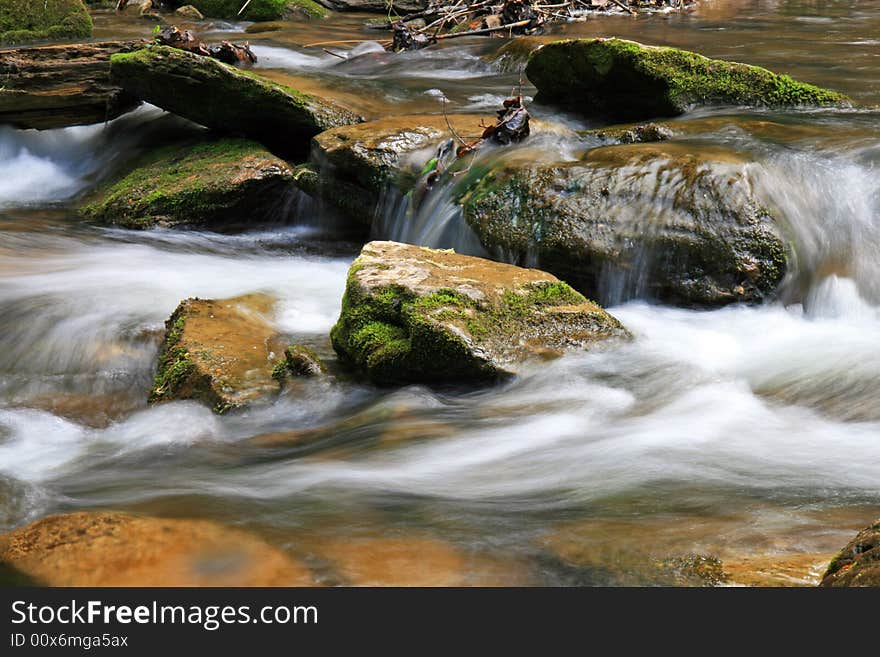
x=628 y=81
x=205 y=184
x=227 y=99
x=117 y=549
x=59 y=86
x=220 y=352
x=416 y=314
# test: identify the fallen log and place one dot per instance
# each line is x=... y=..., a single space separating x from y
x=58 y=86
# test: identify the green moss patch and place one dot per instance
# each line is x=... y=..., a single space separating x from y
x=32 y=20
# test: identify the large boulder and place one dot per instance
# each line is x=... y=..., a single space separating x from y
x=228 y=181
x=220 y=352
x=32 y=20
x=59 y=86
x=416 y=314
x=118 y=549
x=631 y=81
x=353 y=165
x=375 y=6
x=857 y=564
x=658 y=220
x=227 y=99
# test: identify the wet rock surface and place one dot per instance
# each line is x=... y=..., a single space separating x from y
x=857 y=564
x=118 y=549
x=205 y=184
x=609 y=226
x=219 y=352
x=417 y=314
x=58 y=86
x=630 y=81
x=227 y=99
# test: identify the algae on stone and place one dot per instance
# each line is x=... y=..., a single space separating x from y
x=857 y=564
x=630 y=81
x=227 y=99
x=201 y=184
x=415 y=314
x=220 y=352
x=32 y=20
x=656 y=220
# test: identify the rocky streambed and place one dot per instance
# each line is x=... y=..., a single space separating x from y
x=356 y=310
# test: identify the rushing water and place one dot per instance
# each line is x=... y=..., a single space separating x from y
x=747 y=432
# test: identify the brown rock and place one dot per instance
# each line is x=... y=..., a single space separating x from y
x=218 y=352
x=116 y=549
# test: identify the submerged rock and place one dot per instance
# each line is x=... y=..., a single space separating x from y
x=857 y=564
x=117 y=549
x=634 y=220
x=32 y=20
x=226 y=99
x=416 y=314
x=220 y=352
x=228 y=181
x=631 y=81
x=60 y=86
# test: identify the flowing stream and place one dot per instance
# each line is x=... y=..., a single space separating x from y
x=748 y=433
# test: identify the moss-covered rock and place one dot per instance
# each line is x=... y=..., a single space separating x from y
x=858 y=564
x=658 y=220
x=198 y=184
x=59 y=86
x=416 y=314
x=514 y=54
x=227 y=99
x=32 y=20
x=117 y=549
x=631 y=81
x=220 y=352
x=257 y=10
x=308 y=9
x=633 y=133
x=299 y=360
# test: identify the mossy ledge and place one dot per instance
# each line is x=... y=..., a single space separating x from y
x=631 y=81
x=196 y=184
x=416 y=314
x=28 y=20
x=227 y=99
x=257 y=10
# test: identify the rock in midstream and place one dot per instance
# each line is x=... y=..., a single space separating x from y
x=201 y=183
x=227 y=99
x=416 y=314
x=658 y=220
